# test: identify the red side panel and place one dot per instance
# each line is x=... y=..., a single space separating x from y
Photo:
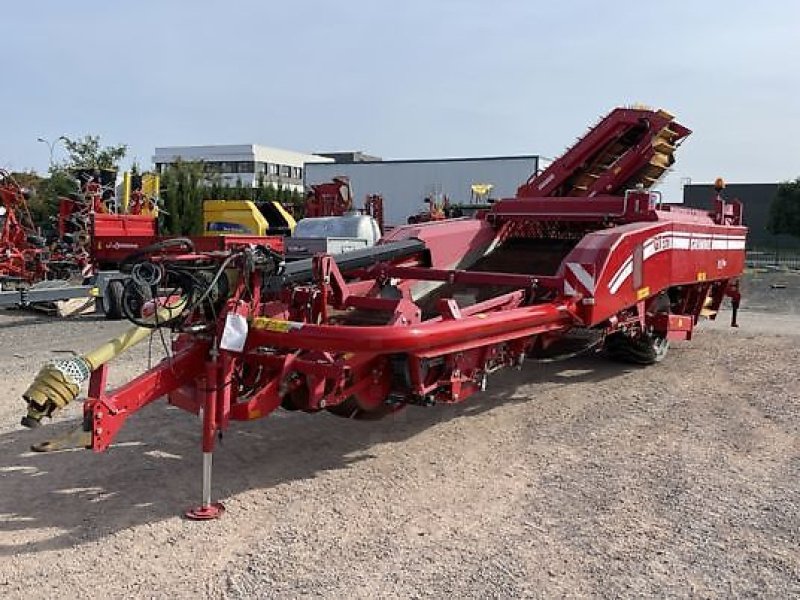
x=108 y=225
x=212 y=243
x=617 y=267
x=118 y=236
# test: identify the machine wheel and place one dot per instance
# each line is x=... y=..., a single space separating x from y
x=647 y=349
x=112 y=299
x=644 y=349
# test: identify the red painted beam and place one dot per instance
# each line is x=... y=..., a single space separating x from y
x=412 y=338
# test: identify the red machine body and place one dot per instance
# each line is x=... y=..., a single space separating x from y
x=335 y=198
x=329 y=199
x=428 y=314
x=23 y=254
x=116 y=237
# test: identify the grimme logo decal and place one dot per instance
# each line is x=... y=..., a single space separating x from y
x=662 y=243
x=700 y=244
x=121 y=246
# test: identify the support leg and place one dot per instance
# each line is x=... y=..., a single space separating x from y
x=733 y=292
x=208 y=510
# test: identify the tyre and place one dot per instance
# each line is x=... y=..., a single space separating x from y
x=646 y=349
x=112 y=299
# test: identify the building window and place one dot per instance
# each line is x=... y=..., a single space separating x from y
x=297 y=172
x=286 y=171
x=261 y=168
x=272 y=169
x=246 y=167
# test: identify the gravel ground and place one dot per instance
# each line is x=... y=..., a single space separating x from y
x=581 y=479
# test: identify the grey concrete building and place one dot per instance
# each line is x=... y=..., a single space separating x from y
x=404 y=184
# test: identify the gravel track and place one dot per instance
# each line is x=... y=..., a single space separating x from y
x=581 y=479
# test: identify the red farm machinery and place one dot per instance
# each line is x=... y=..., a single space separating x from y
x=430 y=312
x=335 y=199
x=23 y=253
x=32 y=271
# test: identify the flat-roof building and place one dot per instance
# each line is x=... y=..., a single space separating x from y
x=247 y=163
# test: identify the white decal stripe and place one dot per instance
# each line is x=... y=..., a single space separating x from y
x=622 y=276
x=720 y=244
x=677 y=240
x=568 y=289
x=618 y=274
x=585 y=279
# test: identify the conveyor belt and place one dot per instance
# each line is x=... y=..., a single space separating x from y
x=302 y=270
x=629 y=146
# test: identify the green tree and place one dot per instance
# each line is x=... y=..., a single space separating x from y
x=269 y=193
x=184 y=186
x=236 y=190
x=215 y=192
x=88 y=153
x=280 y=194
x=784 y=212
x=84 y=153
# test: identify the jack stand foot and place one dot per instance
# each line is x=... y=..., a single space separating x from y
x=207 y=510
x=205 y=513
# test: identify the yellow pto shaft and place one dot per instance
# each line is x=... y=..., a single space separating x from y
x=59 y=381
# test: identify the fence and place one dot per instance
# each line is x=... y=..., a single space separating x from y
x=774 y=259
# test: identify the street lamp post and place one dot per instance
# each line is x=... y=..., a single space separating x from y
x=51 y=145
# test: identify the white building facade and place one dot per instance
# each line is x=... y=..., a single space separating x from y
x=247 y=163
x=404 y=184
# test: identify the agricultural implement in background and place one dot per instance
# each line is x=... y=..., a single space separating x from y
x=31 y=272
x=335 y=199
x=226 y=224
x=438 y=208
x=428 y=314
x=23 y=252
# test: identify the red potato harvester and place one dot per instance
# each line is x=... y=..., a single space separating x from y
x=430 y=312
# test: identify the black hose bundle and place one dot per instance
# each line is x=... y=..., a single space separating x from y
x=192 y=285
x=132 y=259
x=201 y=283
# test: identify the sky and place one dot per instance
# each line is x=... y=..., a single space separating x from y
x=410 y=79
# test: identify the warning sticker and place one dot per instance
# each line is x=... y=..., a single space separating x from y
x=277 y=325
